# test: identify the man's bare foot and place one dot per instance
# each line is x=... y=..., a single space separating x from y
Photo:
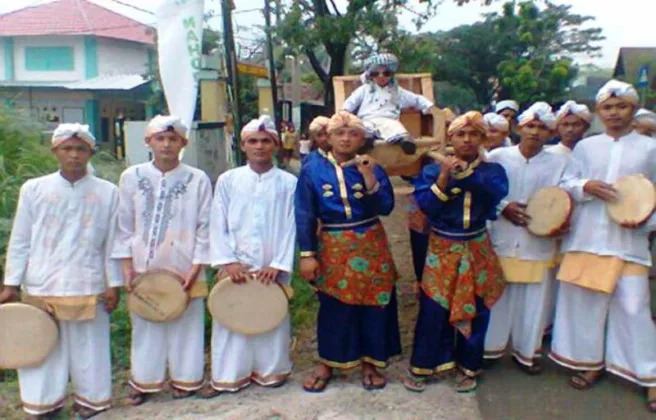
x=371 y=378
x=318 y=380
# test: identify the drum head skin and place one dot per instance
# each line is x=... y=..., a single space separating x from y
x=636 y=201
x=158 y=296
x=27 y=335
x=249 y=308
x=550 y=209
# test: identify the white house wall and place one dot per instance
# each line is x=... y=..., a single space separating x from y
x=22 y=74
x=2 y=60
x=121 y=57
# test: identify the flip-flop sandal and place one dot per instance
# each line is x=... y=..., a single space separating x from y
x=415 y=383
x=534 y=369
x=179 y=394
x=585 y=383
x=137 y=398
x=462 y=389
x=370 y=385
x=208 y=392
x=319 y=384
x=651 y=404
x=83 y=413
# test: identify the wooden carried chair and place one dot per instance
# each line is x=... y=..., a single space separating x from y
x=429 y=131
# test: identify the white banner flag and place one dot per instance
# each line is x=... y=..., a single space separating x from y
x=179 y=40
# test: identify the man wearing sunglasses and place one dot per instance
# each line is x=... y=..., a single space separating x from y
x=379 y=101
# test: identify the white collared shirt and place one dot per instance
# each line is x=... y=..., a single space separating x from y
x=61 y=237
x=253 y=219
x=163 y=218
x=560 y=149
x=603 y=158
x=526 y=177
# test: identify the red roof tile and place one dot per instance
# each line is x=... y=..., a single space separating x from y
x=73 y=17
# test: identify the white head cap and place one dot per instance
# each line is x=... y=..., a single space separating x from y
x=65 y=131
x=572 y=108
x=507 y=104
x=540 y=111
x=496 y=121
x=617 y=89
x=263 y=124
x=162 y=123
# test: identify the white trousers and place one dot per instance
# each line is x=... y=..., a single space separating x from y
x=552 y=300
x=178 y=344
x=82 y=353
x=594 y=330
x=238 y=359
x=518 y=317
x=389 y=129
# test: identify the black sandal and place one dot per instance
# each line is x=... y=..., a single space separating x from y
x=586 y=383
x=370 y=385
x=319 y=383
x=534 y=369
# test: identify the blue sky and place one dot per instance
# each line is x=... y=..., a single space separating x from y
x=627 y=23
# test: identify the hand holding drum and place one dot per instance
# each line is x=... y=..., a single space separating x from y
x=635 y=201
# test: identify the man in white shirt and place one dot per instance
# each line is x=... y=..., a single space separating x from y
x=380 y=100
x=253 y=233
x=573 y=120
x=498 y=130
x=519 y=316
x=509 y=109
x=58 y=254
x=603 y=315
x=163 y=224
x=644 y=122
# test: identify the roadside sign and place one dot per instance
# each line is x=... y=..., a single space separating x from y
x=253 y=70
x=643 y=77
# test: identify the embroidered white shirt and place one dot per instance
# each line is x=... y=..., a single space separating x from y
x=61 y=237
x=163 y=218
x=383 y=102
x=526 y=177
x=253 y=219
x=603 y=158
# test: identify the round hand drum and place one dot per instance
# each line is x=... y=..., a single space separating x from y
x=550 y=209
x=158 y=296
x=27 y=335
x=636 y=200
x=248 y=308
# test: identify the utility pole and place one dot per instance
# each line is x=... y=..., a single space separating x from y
x=231 y=68
x=272 y=62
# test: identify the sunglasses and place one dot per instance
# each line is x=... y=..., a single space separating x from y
x=384 y=73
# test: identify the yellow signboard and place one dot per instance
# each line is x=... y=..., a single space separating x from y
x=253 y=70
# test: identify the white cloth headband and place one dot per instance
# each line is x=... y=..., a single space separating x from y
x=162 y=123
x=496 y=121
x=507 y=104
x=572 y=108
x=263 y=124
x=66 y=131
x=617 y=89
x=540 y=111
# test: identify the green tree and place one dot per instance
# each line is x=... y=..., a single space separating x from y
x=310 y=26
x=525 y=52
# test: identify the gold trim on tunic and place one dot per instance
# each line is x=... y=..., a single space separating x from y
x=466 y=214
x=307 y=254
x=438 y=192
x=353 y=364
x=231 y=386
x=97 y=406
x=147 y=388
x=187 y=386
x=343 y=192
